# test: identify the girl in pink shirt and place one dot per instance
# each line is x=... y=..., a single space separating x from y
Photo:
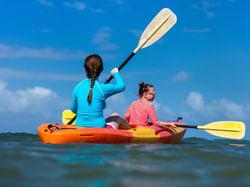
x=142 y=110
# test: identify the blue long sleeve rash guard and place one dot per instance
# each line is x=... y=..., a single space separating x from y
x=92 y=115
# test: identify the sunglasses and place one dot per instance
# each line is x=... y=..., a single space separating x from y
x=151 y=93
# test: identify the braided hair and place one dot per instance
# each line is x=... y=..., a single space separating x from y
x=144 y=87
x=93 y=66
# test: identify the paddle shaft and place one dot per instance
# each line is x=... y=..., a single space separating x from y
x=72 y=120
x=208 y=129
x=187 y=126
x=121 y=66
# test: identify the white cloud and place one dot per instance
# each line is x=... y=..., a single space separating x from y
x=46 y=2
x=202 y=30
x=43 y=30
x=208 y=4
x=139 y=74
x=136 y=32
x=207 y=7
x=119 y=2
x=8 y=51
x=116 y=103
x=78 y=5
x=200 y=111
x=163 y=110
x=195 y=101
x=231 y=109
x=98 y=10
x=23 y=110
x=181 y=76
x=217 y=109
x=107 y=46
x=103 y=35
x=7 y=74
x=102 y=39
x=210 y=14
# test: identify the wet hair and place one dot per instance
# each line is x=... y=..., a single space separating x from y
x=93 y=66
x=144 y=87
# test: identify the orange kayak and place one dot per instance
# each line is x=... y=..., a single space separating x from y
x=65 y=134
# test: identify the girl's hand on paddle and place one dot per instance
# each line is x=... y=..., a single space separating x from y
x=168 y=124
x=172 y=125
x=114 y=70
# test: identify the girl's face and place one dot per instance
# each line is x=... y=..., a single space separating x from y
x=150 y=94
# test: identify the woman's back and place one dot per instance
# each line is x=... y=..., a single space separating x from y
x=91 y=115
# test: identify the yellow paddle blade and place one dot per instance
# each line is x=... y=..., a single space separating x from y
x=68 y=115
x=225 y=129
x=160 y=24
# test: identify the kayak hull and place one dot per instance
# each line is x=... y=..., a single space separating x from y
x=65 y=134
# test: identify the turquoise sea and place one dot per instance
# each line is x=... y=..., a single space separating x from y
x=25 y=161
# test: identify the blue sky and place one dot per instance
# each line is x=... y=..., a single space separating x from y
x=200 y=68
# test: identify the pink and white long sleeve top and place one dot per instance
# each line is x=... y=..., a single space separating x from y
x=140 y=112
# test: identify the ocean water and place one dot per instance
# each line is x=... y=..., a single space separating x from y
x=25 y=161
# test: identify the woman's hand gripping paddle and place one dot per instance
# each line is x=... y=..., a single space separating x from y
x=160 y=24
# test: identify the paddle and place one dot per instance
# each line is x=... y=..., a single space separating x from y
x=225 y=129
x=160 y=24
x=68 y=117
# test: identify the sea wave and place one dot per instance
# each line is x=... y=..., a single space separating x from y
x=25 y=161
